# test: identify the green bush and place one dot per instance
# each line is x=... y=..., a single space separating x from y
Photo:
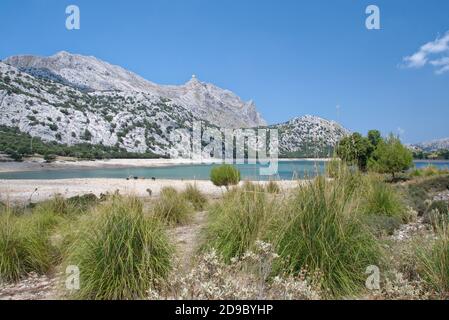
x=172 y=207
x=49 y=158
x=225 y=175
x=195 y=196
x=391 y=156
x=119 y=252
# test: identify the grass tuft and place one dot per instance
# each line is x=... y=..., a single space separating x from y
x=25 y=244
x=273 y=187
x=381 y=199
x=237 y=221
x=434 y=263
x=195 y=196
x=172 y=207
x=120 y=253
x=321 y=231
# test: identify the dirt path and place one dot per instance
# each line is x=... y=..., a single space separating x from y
x=187 y=238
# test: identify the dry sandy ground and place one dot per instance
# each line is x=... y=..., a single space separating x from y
x=23 y=191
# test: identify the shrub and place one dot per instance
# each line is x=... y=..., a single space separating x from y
x=391 y=157
x=434 y=263
x=237 y=221
x=119 y=252
x=418 y=192
x=194 y=195
x=83 y=202
x=16 y=156
x=225 y=175
x=49 y=158
x=355 y=150
x=382 y=225
x=172 y=207
x=87 y=135
x=320 y=230
x=245 y=277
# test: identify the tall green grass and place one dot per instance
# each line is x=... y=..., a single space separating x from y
x=25 y=244
x=195 y=196
x=237 y=221
x=428 y=171
x=172 y=207
x=434 y=263
x=381 y=199
x=320 y=230
x=119 y=252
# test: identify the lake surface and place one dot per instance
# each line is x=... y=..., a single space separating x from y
x=287 y=170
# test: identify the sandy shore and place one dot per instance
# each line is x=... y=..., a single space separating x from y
x=39 y=164
x=23 y=191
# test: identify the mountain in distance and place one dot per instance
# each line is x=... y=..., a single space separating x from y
x=433 y=145
x=74 y=99
x=309 y=136
x=89 y=74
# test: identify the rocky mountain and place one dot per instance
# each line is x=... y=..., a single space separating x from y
x=135 y=121
x=309 y=136
x=434 y=145
x=73 y=99
x=89 y=74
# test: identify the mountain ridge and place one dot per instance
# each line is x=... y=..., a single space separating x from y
x=46 y=103
x=88 y=73
x=433 y=145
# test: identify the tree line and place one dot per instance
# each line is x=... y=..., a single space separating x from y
x=375 y=153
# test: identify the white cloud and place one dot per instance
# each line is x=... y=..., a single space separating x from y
x=442 y=64
x=424 y=55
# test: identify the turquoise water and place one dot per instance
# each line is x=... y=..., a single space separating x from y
x=287 y=170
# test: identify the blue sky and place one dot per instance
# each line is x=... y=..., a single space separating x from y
x=291 y=57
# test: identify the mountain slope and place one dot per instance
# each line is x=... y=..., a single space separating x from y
x=60 y=106
x=309 y=136
x=218 y=106
x=138 y=122
x=434 y=145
